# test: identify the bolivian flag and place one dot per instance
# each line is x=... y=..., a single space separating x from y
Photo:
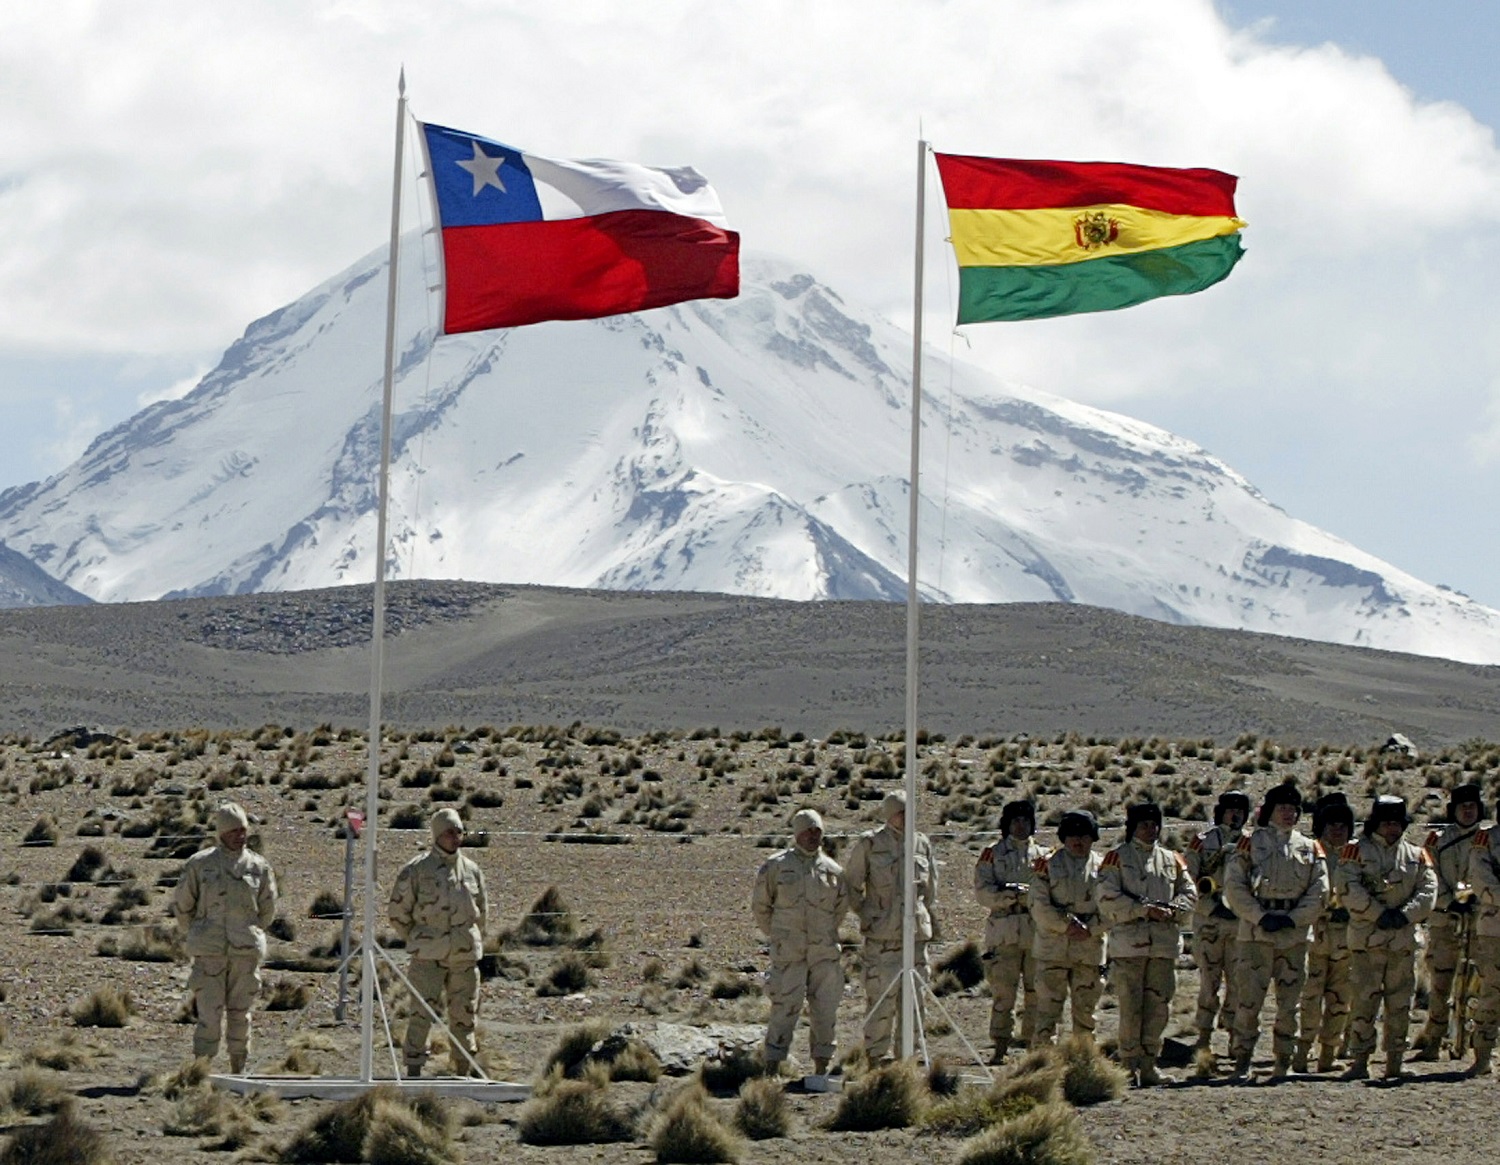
x=1038 y=239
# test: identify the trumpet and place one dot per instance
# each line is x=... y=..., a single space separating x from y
x=1465 y=893
x=1208 y=886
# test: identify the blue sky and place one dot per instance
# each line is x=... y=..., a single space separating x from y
x=170 y=171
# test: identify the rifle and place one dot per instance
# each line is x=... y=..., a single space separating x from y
x=1468 y=971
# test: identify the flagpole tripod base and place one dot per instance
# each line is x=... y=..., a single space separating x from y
x=347 y=1088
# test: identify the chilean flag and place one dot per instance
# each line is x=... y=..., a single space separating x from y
x=527 y=238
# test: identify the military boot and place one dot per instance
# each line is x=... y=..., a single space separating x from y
x=1281 y=1068
x=1149 y=1076
x=1241 y=1066
x=1359 y=1067
x=1482 y=1054
x=1429 y=1046
x=1205 y=1039
x=1393 y=1066
x=237 y=1065
x=1299 y=1057
x=1327 y=1056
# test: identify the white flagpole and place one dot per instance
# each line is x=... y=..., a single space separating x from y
x=377 y=630
x=909 y=874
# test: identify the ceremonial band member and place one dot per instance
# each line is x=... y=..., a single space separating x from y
x=1276 y=883
x=439 y=908
x=1068 y=947
x=1145 y=894
x=1389 y=886
x=1002 y=882
x=875 y=874
x=1484 y=876
x=798 y=902
x=1450 y=847
x=1325 y=996
x=223 y=902
x=1215 y=927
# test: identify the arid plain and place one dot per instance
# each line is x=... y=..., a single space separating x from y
x=641 y=753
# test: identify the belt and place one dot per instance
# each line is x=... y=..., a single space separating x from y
x=1278 y=903
x=1018 y=908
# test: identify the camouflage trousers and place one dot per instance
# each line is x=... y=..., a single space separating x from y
x=1487 y=1002
x=1261 y=964
x=820 y=985
x=1325 y=996
x=451 y=988
x=224 y=988
x=1441 y=962
x=1144 y=987
x=1215 y=944
x=1055 y=984
x=1380 y=977
x=882 y=973
x=1006 y=969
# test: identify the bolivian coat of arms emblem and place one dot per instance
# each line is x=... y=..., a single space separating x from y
x=1093 y=229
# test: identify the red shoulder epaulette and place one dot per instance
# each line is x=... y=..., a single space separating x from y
x=1482 y=839
x=1351 y=852
x=1040 y=865
x=1244 y=845
x=1426 y=858
x=1197 y=843
x=1111 y=859
x=987 y=854
x=1318 y=850
x=1432 y=840
x=1181 y=861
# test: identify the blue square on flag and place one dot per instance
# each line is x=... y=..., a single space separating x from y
x=479 y=181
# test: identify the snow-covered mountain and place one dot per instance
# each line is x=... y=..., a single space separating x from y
x=24 y=584
x=756 y=446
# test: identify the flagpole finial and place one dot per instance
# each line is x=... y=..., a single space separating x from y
x=401 y=84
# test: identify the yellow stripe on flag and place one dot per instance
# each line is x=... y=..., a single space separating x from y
x=1027 y=238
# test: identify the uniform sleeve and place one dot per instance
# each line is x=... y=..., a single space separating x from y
x=265 y=899
x=483 y=905
x=763 y=899
x=929 y=891
x=856 y=870
x=1482 y=874
x=1237 y=894
x=1355 y=894
x=185 y=897
x=403 y=902
x=1419 y=905
x=1116 y=906
x=1184 y=894
x=1044 y=911
x=989 y=889
x=1310 y=905
x=841 y=903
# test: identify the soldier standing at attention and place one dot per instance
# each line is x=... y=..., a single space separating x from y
x=1276 y=882
x=875 y=874
x=1484 y=876
x=1449 y=847
x=1215 y=927
x=1325 y=995
x=1389 y=886
x=439 y=908
x=798 y=902
x=1002 y=882
x=224 y=900
x=1145 y=895
x=1068 y=949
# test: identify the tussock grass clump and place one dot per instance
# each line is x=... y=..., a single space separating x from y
x=592 y=1045
x=725 y=1073
x=1047 y=1135
x=728 y=985
x=288 y=995
x=762 y=1113
x=569 y=975
x=688 y=1130
x=43 y=832
x=203 y=1111
x=574 y=1047
x=573 y=1112
x=64 y=1140
x=63 y=1055
x=326 y=904
x=972 y=1111
x=1088 y=1077
x=379 y=1127
x=965 y=966
x=34 y=1092
x=549 y=922
x=191 y=1076
x=887 y=1098
x=106 y=1007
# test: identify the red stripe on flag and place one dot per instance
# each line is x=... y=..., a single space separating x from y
x=971 y=183
x=511 y=274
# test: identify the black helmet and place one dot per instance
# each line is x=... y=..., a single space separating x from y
x=1332 y=807
x=1465 y=794
x=1285 y=793
x=1144 y=811
x=1231 y=799
x=1077 y=823
x=1017 y=809
x=1386 y=808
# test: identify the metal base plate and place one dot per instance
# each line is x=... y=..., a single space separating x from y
x=346 y=1088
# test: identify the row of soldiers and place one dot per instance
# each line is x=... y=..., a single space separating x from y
x=1329 y=919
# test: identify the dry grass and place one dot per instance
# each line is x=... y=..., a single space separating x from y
x=64 y=1140
x=688 y=1131
x=1047 y=1135
x=762 y=1112
x=1088 y=1076
x=34 y=1092
x=573 y=1112
x=971 y=1111
x=888 y=1098
x=106 y=1007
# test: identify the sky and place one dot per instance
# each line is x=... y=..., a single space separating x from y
x=170 y=171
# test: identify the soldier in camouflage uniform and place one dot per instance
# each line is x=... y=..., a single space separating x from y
x=1002 y=882
x=875 y=874
x=1484 y=876
x=1449 y=847
x=439 y=909
x=1068 y=947
x=1145 y=895
x=1325 y=995
x=1389 y=886
x=798 y=901
x=1276 y=882
x=223 y=902
x=1215 y=927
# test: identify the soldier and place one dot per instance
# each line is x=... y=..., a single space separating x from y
x=1389 y=886
x=1484 y=876
x=1002 y=882
x=1068 y=949
x=1215 y=926
x=875 y=874
x=1449 y=847
x=1145 y=894
x=439 y=908
x=224 y=900
x=798 y=901
x=1276 y=882
x=1325 y=995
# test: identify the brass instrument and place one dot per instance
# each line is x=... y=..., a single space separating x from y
x=1208 y=887
x=1468 y=973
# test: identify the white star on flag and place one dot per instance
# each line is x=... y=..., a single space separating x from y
x=484 y=169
